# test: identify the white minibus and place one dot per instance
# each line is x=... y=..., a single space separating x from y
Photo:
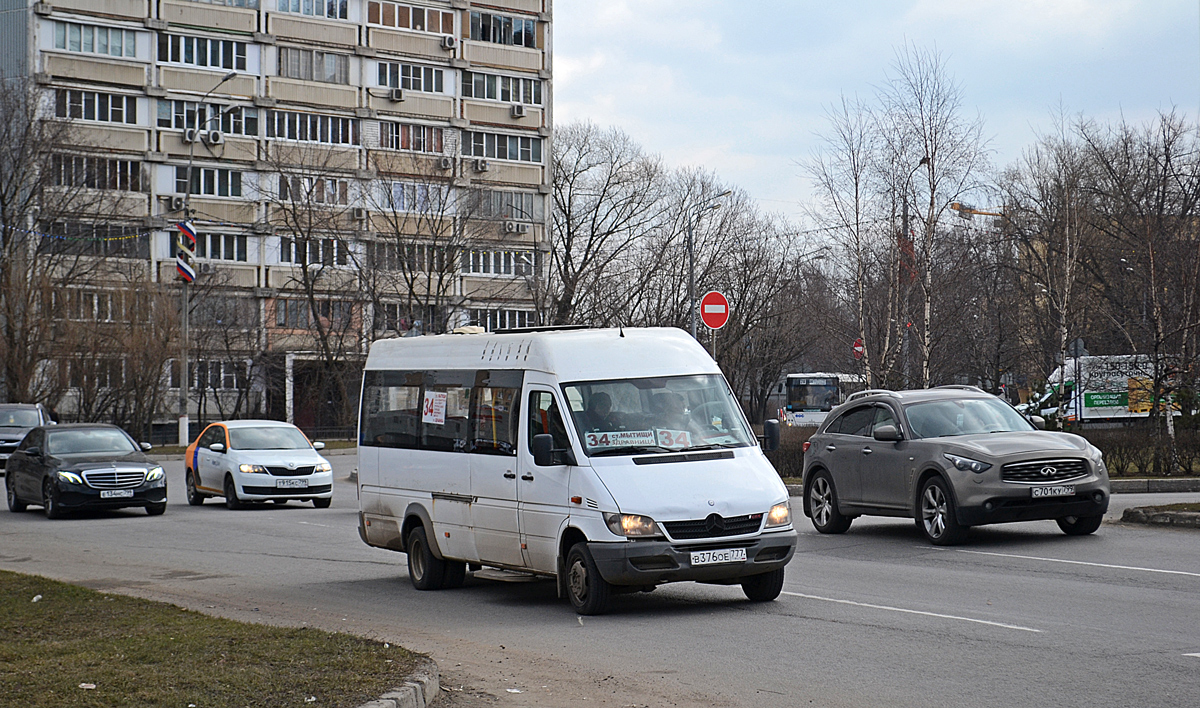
x=612 y=460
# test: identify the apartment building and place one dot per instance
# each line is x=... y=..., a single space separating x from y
x=354 y=169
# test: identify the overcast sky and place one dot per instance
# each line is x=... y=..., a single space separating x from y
x=742 y=87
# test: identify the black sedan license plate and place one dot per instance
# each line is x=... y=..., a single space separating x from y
x=116 y=493
x=1067 y=490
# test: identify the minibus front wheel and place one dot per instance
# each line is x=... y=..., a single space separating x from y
x=589 y=593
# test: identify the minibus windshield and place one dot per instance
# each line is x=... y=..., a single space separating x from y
x=664 y=414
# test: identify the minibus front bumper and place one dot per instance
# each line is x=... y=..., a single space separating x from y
x=654 y=562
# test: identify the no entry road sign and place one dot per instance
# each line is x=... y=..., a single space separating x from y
x=714 y=309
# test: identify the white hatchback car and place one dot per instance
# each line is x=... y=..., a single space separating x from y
x=257 y=461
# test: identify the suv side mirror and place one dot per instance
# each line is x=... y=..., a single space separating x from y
x=217 y=447
x=1038 y=422
x=887 y=433
x=770 y=436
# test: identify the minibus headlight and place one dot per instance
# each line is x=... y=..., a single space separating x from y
x=780 y=515
x=69 y=477
x=631 y=525
x=253 y=469
x=155 y=474
x=324 y=467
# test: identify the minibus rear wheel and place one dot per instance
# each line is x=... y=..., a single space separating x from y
x=425 y=570
x=589 y=593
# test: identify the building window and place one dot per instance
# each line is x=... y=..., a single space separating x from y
x=415 y=197
x=318 y=190
x=502 y=88
x=103 y=239
x=211 y=181
x=251 y=4
x=502 y=147
x=495 y=204
x=402 y=136
x=411 y=77
x=492 y=320
x=234 y=120
x=391 y=14
x=333 y=9
x=221 y=247
x=409 y=257
x=502 y=29
x=202 y=51
x=302 y=251
x=311 y=127
x=291 y=314
x=514 y=263
x=90 y=39
x=313 y=65
x=96 y=173
x=91 y=105
x=216 y=375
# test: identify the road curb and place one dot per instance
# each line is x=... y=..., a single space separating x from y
x=1151 y=515
x=419 y=689
x=1164 y=485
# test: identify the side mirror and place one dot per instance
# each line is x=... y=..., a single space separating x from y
x=543 y=450
x=217 y=447
x=146 y=447
x=1038 y=422
x=33 y=451
x=887 y=433
x=770 y=438
x=318 y=446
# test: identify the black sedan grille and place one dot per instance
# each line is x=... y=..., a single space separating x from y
x=1036 y=471
x=285 y=472
x=714 y=526
x=114 y=479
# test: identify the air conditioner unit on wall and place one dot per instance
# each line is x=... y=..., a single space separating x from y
x=482 y=165
x=518 y=110
x=359 y=214
x=177 y=203
x=446 y=163
x=396 y=94
x=189 y=135
x=205 y=268
x=214 y=137
x=449 y=42
x=515 y=227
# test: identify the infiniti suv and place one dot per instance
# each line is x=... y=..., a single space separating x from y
x=950 y=458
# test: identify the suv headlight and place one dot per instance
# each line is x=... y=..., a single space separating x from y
x=253 y=469
x=966 y=463
x=155 y=474
x=70 y=477
x=323 y=467
x=632 y=525
x=780 y=515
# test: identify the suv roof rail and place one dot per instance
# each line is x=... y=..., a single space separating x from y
x=963 y=387
x=870 y=392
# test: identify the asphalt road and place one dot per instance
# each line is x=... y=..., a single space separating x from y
x=1020 y=616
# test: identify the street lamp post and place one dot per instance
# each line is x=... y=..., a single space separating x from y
x=187 y=212
x=713 y=203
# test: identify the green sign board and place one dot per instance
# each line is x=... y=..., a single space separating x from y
x=1100 y=399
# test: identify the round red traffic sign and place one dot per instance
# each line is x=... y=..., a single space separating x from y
x=714 y=309
x=859 y=348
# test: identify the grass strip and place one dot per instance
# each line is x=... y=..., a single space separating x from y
x=146 y=654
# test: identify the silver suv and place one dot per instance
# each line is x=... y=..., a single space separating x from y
x=949 y=457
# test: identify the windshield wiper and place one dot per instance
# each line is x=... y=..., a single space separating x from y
x=712 y=446
x=628 y=449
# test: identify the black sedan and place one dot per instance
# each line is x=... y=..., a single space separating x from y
x=83 y=466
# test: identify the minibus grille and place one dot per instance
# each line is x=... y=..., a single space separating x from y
x=714 y=526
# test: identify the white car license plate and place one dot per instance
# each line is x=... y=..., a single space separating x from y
x=116 y=493
x=726 y=555
x=291 y=484
x=1062 y=491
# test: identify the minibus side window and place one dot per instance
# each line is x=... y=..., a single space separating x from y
x=495 y=417
x=391 y=409
x=545 y=418
x=445 y=410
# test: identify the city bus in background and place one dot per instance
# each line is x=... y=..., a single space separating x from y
x=809 y=397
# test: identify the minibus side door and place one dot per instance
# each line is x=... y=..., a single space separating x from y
x=542 y=492
x=494 y=468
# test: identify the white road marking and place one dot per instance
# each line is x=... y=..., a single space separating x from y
x=309 y=523
x=912 y=612
x=1195 y=655
x=1072 y=562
